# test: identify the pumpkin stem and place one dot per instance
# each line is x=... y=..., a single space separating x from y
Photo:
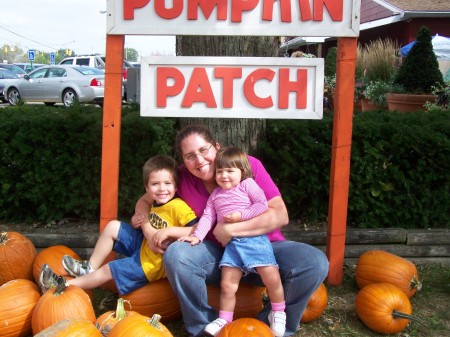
x=398 y=314
x=155 y=320
x=3 y=238
x=120 y=309
x=415 y=283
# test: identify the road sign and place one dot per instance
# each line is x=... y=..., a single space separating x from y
x=52 y=58
x=31 y=54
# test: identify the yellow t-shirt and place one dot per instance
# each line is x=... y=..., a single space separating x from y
x=174 y=213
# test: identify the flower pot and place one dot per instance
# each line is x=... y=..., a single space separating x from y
x=408 y=102
x=366 y=105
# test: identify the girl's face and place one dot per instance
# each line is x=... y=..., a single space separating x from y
x=228 y=178
x=161 y=186
x=198 y=156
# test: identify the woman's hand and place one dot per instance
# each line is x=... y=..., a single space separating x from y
x=221 y=233
x=193 y=240
x=137 y=220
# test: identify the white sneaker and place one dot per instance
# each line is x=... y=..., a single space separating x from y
x=277 y=320
x=215 y=326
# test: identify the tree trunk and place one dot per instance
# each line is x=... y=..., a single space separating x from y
x=240 y=132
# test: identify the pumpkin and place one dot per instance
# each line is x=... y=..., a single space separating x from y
x=379 y=266
x=248 y=300
x=245 y=327
x=384 y=308
x=60 y=303
x=17 y=254
x=155 y=297
x=71 y=328
x=53 y=257
x=106 y=321
x=18 y=299
x=139 y=325
x=317 y=304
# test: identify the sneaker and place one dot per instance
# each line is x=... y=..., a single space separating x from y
x=277 y=320
x=48 y=279
x=215 y=326
x=74 y=267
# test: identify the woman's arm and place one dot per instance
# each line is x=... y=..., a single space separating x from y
x=141 y=211
x=275 y=217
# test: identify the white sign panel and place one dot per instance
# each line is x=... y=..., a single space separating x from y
x=338 y=18
x=232 y=87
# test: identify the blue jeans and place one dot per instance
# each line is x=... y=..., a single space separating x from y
x=189 y=268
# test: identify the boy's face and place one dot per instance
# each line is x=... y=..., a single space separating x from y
x=161 y=186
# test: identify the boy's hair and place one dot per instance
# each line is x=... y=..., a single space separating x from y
x=234 y=157
x=159 y=163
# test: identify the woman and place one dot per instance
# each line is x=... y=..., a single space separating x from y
x=189 y=268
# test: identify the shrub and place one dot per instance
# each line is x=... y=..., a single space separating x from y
x=420 y=70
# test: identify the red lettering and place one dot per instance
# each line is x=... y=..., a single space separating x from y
x=249 y=87
x=163 y=89
x=129 y=7
x=305 y=10
x=239 y=6
x=199 y=90
x=207 y=6
x=285 y=87
x=285 y=6
x=168 y=13
x=334 y=7
x=227 y=75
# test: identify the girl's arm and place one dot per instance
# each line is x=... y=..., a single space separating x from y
x=275 y=217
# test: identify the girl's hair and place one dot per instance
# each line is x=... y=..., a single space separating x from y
x=234 y=157
x=192 y=129
x=159 y=163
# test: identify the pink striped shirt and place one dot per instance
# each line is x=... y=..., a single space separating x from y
x=247 y=198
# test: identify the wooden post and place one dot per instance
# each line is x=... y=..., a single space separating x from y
x=112 y=109
x=340 y=157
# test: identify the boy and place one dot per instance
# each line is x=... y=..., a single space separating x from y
x=142 y=262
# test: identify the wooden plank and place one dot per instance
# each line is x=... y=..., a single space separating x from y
x=428 y=237
x=80 y=240
x=353 y=236
x=441 y=261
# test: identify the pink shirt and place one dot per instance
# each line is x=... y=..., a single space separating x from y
x=192 y=190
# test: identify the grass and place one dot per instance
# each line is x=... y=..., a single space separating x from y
x=340 y=320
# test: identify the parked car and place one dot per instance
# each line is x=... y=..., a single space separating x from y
x=59 y=84
x=6 y=77
x=28 y=67
x=97 y=61
x=14 y=68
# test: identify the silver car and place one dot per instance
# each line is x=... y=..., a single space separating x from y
x=6 y=78
x=59 y=84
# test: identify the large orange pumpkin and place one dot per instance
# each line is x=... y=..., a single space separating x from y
x=53 y=257
x=155 y=298
x=139 y=325
x=58 y=304
x=245 y=327
x=384 y=308
x=17 y=254
x=18 y=299
x=379 y=266
x=248 y=300
x=106 y=321
x=316 y=305
x=71 y=328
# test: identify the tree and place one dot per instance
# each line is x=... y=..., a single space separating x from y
x=131 y=54
x=243 y=133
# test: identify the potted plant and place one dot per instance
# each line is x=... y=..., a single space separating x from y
x=375 y=95
x=417 y=75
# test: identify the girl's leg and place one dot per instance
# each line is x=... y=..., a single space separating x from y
x=228 y=288
x=270 y=276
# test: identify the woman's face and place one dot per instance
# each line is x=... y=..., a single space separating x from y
x=198 y=156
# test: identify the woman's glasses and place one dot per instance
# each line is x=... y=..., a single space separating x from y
x=203 y=151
